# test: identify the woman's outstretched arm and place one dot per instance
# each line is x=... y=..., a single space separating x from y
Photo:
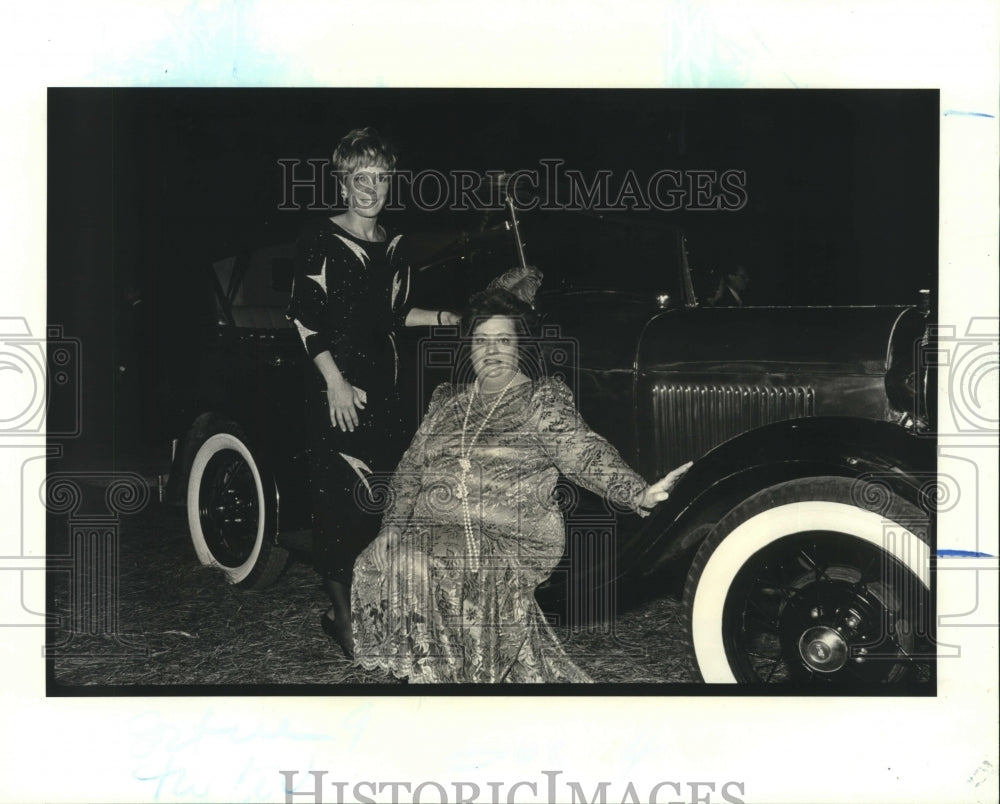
x=589 y=460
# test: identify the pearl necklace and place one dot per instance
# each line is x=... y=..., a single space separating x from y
x=464 y=454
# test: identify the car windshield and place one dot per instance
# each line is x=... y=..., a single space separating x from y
x=575 y=251
x=590 y=252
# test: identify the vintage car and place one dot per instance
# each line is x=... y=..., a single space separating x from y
x=804 y=527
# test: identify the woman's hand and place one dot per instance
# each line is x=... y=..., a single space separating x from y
x=345 y=401
x=449 y=319
x=660 y=490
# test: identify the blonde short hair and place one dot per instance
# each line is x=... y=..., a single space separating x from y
x=360 y=147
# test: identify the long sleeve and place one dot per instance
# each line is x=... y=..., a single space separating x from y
x=582 y=455
x=408 y=478
x=319 y=297
x=400 y=300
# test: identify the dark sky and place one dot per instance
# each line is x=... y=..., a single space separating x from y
x=147 y=187
x=841 y=187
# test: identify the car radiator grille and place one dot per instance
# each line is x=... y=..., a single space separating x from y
x=688 y=420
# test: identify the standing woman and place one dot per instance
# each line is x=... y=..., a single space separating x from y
x=349 y=296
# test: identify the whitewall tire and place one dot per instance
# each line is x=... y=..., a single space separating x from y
x=231 y=512
x=805 y=582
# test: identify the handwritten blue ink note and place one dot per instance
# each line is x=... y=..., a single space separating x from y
x=223 y=757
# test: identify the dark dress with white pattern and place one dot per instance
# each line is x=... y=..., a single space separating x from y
x=441 y=614
x=348 y=297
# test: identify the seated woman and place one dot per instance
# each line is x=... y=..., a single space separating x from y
x=446 y=591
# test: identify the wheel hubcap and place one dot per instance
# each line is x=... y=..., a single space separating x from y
x=823 y=649
x=810 y=607
x=229 y=512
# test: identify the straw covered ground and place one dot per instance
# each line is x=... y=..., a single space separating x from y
x=181 y=624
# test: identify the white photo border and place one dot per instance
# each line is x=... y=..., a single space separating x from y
x=780 y=750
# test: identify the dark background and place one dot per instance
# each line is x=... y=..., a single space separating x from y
x=146 y=188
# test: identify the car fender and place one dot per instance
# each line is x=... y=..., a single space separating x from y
x=879 y=452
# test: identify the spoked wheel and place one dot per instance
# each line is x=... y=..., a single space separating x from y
x=821 y=606
x=231 y=513
x=802 y=584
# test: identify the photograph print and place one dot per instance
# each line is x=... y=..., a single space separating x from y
x=491 y=391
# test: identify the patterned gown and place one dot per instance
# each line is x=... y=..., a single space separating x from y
x=445 y=612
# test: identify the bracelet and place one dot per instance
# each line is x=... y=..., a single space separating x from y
x=439 y=318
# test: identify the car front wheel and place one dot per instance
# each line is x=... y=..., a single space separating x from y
x=231 y=512
x=814 y=582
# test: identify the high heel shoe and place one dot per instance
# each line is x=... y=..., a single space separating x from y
x=333 y=629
